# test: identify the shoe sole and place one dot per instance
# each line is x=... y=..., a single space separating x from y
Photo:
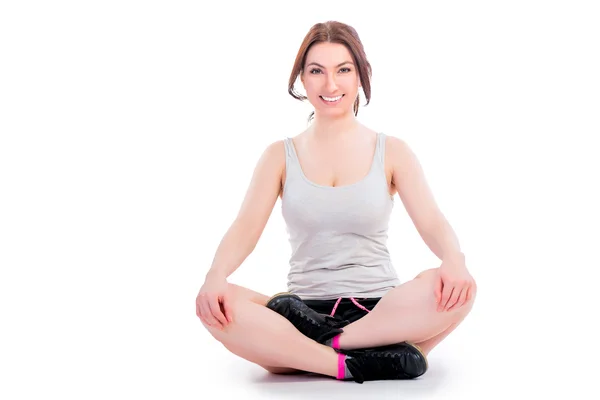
x=421 y=353
x=288 y=294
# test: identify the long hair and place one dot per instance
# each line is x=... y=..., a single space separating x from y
x=333 y=32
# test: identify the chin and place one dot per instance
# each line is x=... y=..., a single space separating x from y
x=333 y=112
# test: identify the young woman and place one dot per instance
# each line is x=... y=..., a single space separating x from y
x=345 y=314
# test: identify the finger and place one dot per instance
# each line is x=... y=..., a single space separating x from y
x=199 y=308
x=438 y=290
x=461 y=299
x=208 y=316
x=202 y=309
x=204 y=321
x=215 y=309
x=470 y=293
x=227 y=309
x=199 y=300
x=455 y=299
x=445 y=297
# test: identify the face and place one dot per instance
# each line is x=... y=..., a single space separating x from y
x=330 y=79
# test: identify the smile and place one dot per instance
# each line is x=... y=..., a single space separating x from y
x=332 y=99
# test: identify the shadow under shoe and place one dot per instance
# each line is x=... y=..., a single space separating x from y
x=398 y=361
x=319 y=327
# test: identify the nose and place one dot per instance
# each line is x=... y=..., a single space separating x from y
x=331 y=83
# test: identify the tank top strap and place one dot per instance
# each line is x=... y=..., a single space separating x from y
x=288 y=147
x=290 y=154
x=380 y=148
x=292 y=164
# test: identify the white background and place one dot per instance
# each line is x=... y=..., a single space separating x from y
x=128 y=135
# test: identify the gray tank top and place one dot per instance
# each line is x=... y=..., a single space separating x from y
x=338 y=235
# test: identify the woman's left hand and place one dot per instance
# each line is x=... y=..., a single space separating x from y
x=455 y=285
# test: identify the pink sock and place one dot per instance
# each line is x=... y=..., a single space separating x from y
x=335 y=343
x=341 y=366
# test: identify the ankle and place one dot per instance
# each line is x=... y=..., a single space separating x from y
x=334 y=342
x=343 y=373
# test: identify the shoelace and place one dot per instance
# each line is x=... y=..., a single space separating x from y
x=355 y=303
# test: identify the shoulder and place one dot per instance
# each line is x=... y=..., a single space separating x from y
x=396 y=146
x=274 y=147
x=400 y=156
x=274 y=153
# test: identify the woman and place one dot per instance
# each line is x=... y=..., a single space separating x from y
x=346 y=315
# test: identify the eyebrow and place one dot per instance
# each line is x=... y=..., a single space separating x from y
x=339 y=65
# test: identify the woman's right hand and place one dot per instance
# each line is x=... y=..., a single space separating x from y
x=212 y=303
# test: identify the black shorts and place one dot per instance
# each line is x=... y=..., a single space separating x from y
x=346 y=312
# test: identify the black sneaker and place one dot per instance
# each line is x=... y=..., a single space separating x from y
x=398 y=361
x=318 y=327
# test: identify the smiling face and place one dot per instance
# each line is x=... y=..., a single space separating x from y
x=330 y=79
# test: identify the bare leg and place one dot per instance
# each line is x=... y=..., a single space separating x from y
x=264 y=337
x=428 y=345
x=407 y=313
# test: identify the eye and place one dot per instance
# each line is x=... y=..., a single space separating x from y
x=318 y=70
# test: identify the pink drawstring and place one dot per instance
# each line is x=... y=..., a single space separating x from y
x=353 y=300
x=359 y=305
x=335 y=307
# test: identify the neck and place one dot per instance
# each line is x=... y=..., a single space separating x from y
x=326 y=128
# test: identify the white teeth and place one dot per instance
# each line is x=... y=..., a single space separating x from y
x=331 y=98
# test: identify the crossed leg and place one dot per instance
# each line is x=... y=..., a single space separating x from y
x=235 y=338
x=406 y=313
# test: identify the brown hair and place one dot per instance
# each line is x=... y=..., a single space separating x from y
x=333 y=32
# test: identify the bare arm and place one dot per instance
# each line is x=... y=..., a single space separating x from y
x=243 y=234
x=420 y=204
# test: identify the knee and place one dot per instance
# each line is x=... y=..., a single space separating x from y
x=465 y=309
x=218 y=334
x=216 y=327
x=472 y=295
x=432 y=276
